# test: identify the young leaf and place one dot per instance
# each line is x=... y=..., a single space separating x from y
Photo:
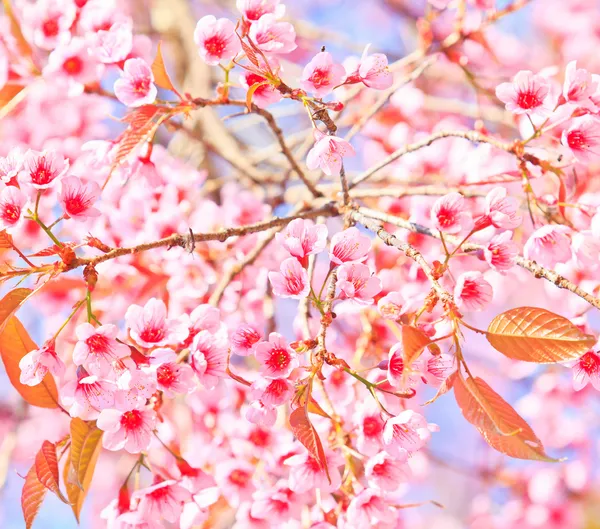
x=250 y=93
x=81 y=462
x=161 y=77
x=305 y=432
x=32 y=496
x=15 y=343
x=446 y=386
x=413 y=342
x=537 y=335
x=499 y=424
x=5 y=238
x=46 y=468
x=314 y=407
x=11 y=302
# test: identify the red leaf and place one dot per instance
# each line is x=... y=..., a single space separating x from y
x=161 y=77
x=32 y=496
x=305 y=433
x=46 y=467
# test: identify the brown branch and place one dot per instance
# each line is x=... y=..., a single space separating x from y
x=327 y=318
x=537 y=270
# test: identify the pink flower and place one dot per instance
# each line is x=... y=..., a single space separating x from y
x=37 y=363
x=500 y=211
x=548 y=245
x=216 y=39
x=209 y=358
x=97 y=348
x=449 y=214
x=303 y=238
x=49 y=21
x=579 y=86
x=277 y=359
x=113 y=45
x=12 y=206
x=77 y=198
x=276 y=505
x=369 y=509
x=321 y=75
x=130 y=430
x=407 y=433
x=391 y=306
x=42 y=169
x=387 y=473
x=171 y=378
x=205 y=318
x=357 y=283
x=291 y=281
x=586 y=249
x=261 y=414
x=372 y=70
x=396 y=375
x=583 y=138
x=327 y=153
x=306 y=473
x=3 y=67
x=87 y=396
x=243 y=340
x=527 y=94
x=136 y=87
x=272 y=36
x=472 y=292
x=162 y=500
x=271 y=392
x=349 y=246
x=11 y=165
x=253 y=10
x=72 y=64
x=370 y=425
x=501 y=252
x=149 y=326
x=265 y=93
x=234 y=478
x=435 y=368
x=587 y=369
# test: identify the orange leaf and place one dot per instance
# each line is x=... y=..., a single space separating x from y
x=537 y=335
x=32 y=496
x=15 y=343
x=250 y=93
x=81 y=462
x=314 y=407
x=499 y=424
x=15 y=28
x=305 y=433
x=46 y=468
x=413 y=342
x=161 y=77
x=5 y=238
x=10 y=303
x=446 y=386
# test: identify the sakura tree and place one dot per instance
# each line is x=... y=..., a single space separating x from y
x=255 y=268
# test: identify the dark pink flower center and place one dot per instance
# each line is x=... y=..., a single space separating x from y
x=76 y=203
x=50 y=27
x=590 y=363
x=259 y=437
x=320 y=77
x=97 y=343
x=278 y=358
x=239 y=477
x=43 y=173
x=132 y=420
x=576 y=139
x=152 y=334
x=215 y=45
x=528 y=100
x=165 y=375
x=372 y=426
x=10 y=213
x=73 y=65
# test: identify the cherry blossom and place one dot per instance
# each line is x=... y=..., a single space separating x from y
x=357 y=283
x=259 y=413
x=369 y=509
x=527 y=94
x=501 y=252
x=130 y=430
x=162 y=500
x=97 y=348
x=321 y=75
x=136 y=87
x=263 y=92
x=112 y=45
x=306 y=473
x=397 y=376
x=216 y=39
x=583 y=138
x=49 y=21
x=328 y=152
x=349 y=246
x=303 y=238
x=391 y=306
x=13 y=203
x=387 y=473
x=77 y=198
x=406 y=433
x=41 y=170
x=234 y=478
x=291 y=281
x=372 y=70
x=150 y=327
x=244 y=339
x=500 y=211
x=36 y=364
x=277 y=359
x=272 y=36
x=579 y=86
x=549 y=245
x=450 y=215
x=253 y=10
x=209 y=358
x=587 y=370
x=271 y=392
x=472 y=292
x=11 y=165
x=87 y=396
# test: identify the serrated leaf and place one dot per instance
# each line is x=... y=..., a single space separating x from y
x=497 y=421
x=15 y=343
x=444 y=388
x=32 y=496
x=537 y=335
x=250 y=53
x=10 y=303
x=81 y=462
x=305 y=432
x=414 y=341
x=46 y=468
x=161 y=77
